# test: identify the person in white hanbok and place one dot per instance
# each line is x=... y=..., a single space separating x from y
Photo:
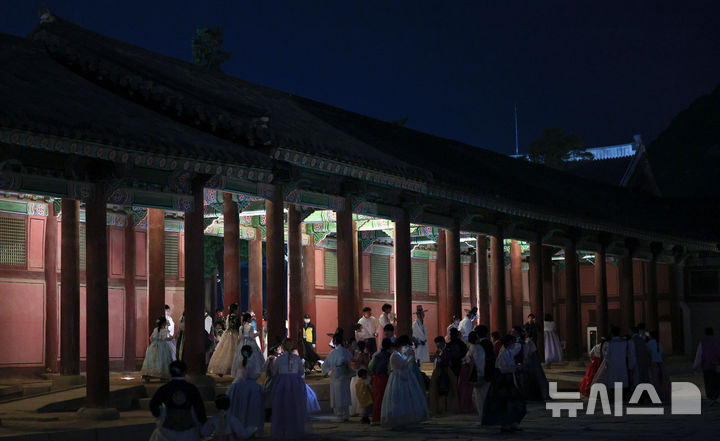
x=159 y=354
x=553 y=350
x=466 y=324
x=419 y=333
x=404 y=402
x=246 y=395
x=247 y=338
x=337 y=364
x=454 y=324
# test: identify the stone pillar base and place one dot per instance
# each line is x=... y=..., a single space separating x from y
x=98 y=413
x=206 y=385
x=66 y=381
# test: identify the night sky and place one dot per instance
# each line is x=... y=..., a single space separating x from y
x=603 y=70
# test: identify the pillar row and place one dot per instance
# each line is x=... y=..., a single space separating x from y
x=70 y=288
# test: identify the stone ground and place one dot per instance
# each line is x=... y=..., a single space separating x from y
x=20 y=424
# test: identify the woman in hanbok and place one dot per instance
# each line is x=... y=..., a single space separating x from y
x=224 y=426
x=466 y=380
x=534 y=381
x=360 y=360
x=246 y=398
x=658 y=375
x=553 y=350
x=247 y=337
x=273 y=353
x=443 y=383
x=505 y=403
x=159 y=354
x=180 y=345
x=596 y=359
x=221 y=362
x=289 y=396
x=404 y=402
x=337 y=365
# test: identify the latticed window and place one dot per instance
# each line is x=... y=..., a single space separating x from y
x=379 y=273
x=12 y=240
x=331 y=276
x=83 y=247
x=171 y=254
x=419 y=271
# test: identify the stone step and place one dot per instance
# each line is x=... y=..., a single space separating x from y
x=36 y=388
x=10 y=391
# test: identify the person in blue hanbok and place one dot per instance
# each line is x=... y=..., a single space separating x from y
x=404 y=402
x=337 y=363
x=247 y=337
x=246 y=395
x=159 y=354
x=289 y=394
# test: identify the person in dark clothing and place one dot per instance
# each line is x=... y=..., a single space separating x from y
x=457 y=349
x=379 y=369
x=179 y=406
x=531 y=328
x=482 y=332
x=309 y=338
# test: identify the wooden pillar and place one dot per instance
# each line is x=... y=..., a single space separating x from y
x=275 y=261
x=156 y=266
x=357 y=272
x=295 y=315
x=403 y=275
x=442 y=293
x=51 y=290
x=255 y=280
x=231 y=252
x=98 y=358
x=535 y=279
x=627 y=293
x=652 y=292
x=347 y=316
x=572 y=304
x=677 y=286
x=498 y=308
x=193 y=337
x=516 y=285
x=454 y=270
x=482 y=280
x=603 y=324
x=547 y=280
x=309 y=279
x=130 y=295
x=70 y=288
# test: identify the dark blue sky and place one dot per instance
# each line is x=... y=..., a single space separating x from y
x=602 y=70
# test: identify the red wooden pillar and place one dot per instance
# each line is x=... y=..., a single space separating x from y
x=347 y=316
x=231 y=245
x=255 y=280
x=603 y=326
x=156 y=266
x=275 y=258
x=535 y=279
x=194 y=344
x=403 y=275
x=547 y=280
x=677 y=285
x=130 y=297
x=652 y=292
x=309 y=279
x=51 y=290
x=498 y=308
x=572 y=305
x=516 y=285
x=454 y=271
x=357 y=272
x=98 y=358
x=442 y=293
x=482 y=280
x=627 y=293
x=295 y=315
x=70 y=288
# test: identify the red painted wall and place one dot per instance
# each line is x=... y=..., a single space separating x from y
x=22 y=315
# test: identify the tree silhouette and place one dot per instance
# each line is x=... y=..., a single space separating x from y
x=554 y=148
x=206 y=48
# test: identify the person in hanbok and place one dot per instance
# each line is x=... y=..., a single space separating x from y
x=443 y=395
x=496 y=341
x=466 y=324
x=457 y=348
x=404 y=402
x=641 y=373
x=171 y=323
x=245 y=393
x=389 y=333
x=273 y=353
x=467 y=378
x=221 y=362
x=481 y=352
x=247 y=337
x=419 y=333
x=360 y=360
x=658 y=375
x=596 y=358
x=180 y=341
x=553 y=350
x=505 y=403
x=225 y=426
x=534 y=381
x=707 y=359
x=159 y=354
x=620 y=358
x=289 y=395
x=337 y=363
x=179 y=408
x=379 y=369
x=364 y=396
x=454 y=324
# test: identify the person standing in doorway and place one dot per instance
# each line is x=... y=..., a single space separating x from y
x=369 y=329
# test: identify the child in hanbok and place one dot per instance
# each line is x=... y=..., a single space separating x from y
x=289 y=394
x=443 y=383
x=404 y=402
x=596 y=359
x=337 y=363
x=246 y=398
x=248 y=337
x=553 y=350
x=221 y=362
x=360 y=360
x=224 y=426
x=159 y=354
x=364 y=396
